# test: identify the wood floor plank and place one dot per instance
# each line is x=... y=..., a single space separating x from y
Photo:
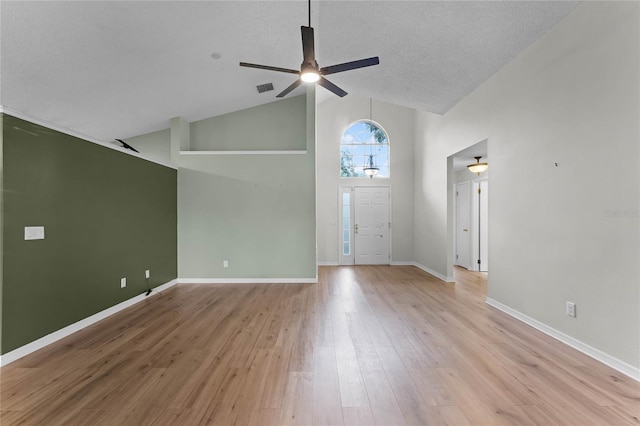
x=357 y=416
x=352 y=389
x=453 y=416
x=327 y=405
x=628 y=415
x=370 y=345
x=415 y=408
x=382 y=400
x=297 y=407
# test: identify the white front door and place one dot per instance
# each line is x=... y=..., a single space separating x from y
x=463 y=235
x=372 y=225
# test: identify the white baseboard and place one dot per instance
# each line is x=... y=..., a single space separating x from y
x=248 y=280
x=598 y=355
x=402 y=263
x=434 y=273
x=77 y=326
x=328 y=263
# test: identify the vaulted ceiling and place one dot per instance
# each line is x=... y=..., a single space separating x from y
x=116 y=69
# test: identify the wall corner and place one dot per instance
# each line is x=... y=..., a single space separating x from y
x=1 y=220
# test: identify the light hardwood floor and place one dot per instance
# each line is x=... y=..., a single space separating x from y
x=366 y=345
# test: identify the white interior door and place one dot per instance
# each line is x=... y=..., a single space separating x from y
x=463 y=224
x=372 y=226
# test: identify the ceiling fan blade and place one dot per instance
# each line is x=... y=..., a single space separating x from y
x=331 y=87
x=286 y=91
x=347 y=66
x=266 y=67
x=308 y=50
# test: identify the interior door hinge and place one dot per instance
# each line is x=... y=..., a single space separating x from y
x=479 y=190
x=456 y=256
x=478 y=261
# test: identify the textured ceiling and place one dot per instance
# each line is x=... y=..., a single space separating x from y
x=119 y=69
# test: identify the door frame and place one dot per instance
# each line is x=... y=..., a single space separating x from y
x=350 y=260
x=475 y=206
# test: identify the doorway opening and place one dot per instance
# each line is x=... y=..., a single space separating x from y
x=471 y=229
x=468 y=210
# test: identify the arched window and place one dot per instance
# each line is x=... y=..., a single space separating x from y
x=363 y=144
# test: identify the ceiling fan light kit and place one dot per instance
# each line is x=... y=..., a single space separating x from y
x=310 y=72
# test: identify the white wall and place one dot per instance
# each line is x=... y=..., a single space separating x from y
x=156 y=145
x=432 y=248
x=571 y=98
x=334 y=116
x=246 y=129
x=465 y=175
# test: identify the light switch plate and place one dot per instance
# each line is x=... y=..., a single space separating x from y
x=34 y=232
x=571 y=309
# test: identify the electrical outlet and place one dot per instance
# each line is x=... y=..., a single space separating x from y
x=571 y=309
x=225 y=263
x=147 y=274
x=123 y=282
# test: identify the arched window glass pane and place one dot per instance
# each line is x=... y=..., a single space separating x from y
x=364 y=144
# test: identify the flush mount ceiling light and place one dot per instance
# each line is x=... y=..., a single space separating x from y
x=310 y=72
x=478 y=167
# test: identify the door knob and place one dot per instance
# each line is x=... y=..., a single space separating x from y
x=465 y=229
x=356 y=228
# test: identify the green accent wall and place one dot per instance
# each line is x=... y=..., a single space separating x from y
x=107 y=215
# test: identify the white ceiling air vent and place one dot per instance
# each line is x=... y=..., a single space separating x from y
x=264 y=87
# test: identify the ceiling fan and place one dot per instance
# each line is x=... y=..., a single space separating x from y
x=310 y=72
